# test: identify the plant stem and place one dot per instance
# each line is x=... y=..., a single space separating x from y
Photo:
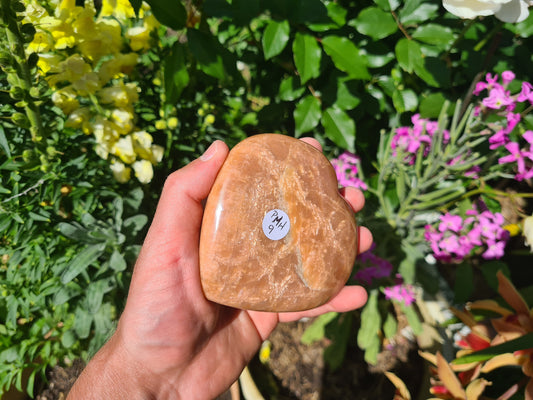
x=24 y=76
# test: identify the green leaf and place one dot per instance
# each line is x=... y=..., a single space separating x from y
x=306 y=114
x=169 y=12
x=435 y=34
x=134 y=224
x=522 y=343
x=95 y=294
x=375 y=23
x=339 y=128
x=3 y=142
x=390 y=326
x=431 y=105
x=289 y=90
x=346 y=56
x=413 y=12
x=307 y=56
x=412 y=318
x=82 y=323
x=339 y=332
x=369 y=332
x=80 y=263
x=317 y=330
x=117 y=262
x=337 y=15
x=404 y=100
x=175 y=74
x=275 y=38
x=409 y=54
x=212 y=58
x=489 y=270
x=136 y=4
x=463 y=287
x=388 y=5
x=68 y=339
x=345 y=99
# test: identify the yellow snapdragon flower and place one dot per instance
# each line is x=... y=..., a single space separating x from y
x=79 y=118
x=144 y=147
x=139 y=37
x=49 y=62
x=121 y=172
x=42 y=42
x=123 y=149
x=120 y=95
x=66 y=99
x=121 y=9
x=123 y=119
x=143 y=171
x=117 y=66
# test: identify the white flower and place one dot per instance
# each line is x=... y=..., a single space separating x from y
x=504 y=10
x=527 y=231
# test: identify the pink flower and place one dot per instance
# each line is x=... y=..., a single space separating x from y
x=519 y=156
x=376 y=267
x=526 y=93
x=450 y=222
x=346 y=168
x=507 y=77
x=401 y=292
x=500 y=138
x=498 y=98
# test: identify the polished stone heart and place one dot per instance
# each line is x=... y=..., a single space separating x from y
x=276 y=234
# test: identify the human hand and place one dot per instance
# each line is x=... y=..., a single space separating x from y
x=171 y=342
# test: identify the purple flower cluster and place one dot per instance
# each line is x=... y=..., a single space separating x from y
x=455 y=237
x=347 y=170
x=501 y=102
x=409 y=139
x=401 y=292
x=374 y=267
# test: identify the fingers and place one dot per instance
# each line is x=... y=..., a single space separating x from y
x=349 y=298
x=313 y=142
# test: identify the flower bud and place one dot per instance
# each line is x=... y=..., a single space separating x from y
x=35 y=92
x=33 y=58
x=18 y=6
x=21 y=120
x=16 y=93
x=28 y=155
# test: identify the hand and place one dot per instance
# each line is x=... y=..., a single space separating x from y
x=171 y=342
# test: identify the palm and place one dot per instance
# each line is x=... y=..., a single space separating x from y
x=168 y=326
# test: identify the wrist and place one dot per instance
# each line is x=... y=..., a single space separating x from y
x=112 y=374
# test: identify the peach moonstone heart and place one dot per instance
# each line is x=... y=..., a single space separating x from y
x=276 y=234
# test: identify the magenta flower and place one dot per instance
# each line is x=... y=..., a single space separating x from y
x=498 y=98
x=507 y=77
x=519 y=156
x=526 y=93
x=346 y=168
x=401 y=292
x=450 y=222
x=457 y=238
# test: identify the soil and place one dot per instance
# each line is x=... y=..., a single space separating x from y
x=297 y=371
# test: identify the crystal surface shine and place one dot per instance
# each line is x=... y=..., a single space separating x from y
x=276 y=234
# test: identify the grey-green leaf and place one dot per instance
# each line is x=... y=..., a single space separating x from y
x=80 y=263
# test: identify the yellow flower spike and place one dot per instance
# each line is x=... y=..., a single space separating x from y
x=513 y=229
x=143 y=170
x=77 y=118
x=88 y=84
x=121 y=173
x=172 y=122
x=49 y=62
x=120 y=95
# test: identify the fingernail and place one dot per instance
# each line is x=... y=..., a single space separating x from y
x=210 y=152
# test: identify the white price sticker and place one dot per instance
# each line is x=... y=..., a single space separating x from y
x=276 y=224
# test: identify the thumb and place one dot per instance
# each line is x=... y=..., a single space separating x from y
x=178 y=216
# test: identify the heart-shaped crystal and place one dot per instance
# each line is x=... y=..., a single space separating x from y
x=276 y=234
